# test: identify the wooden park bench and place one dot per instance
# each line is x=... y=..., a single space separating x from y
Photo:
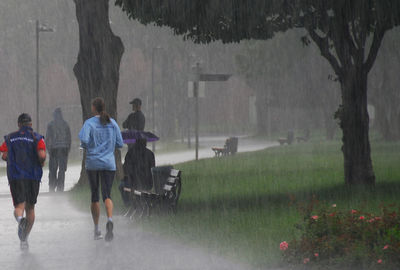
x=164 y=194
x=230 y=147
x=305 y=138
x=288 y=140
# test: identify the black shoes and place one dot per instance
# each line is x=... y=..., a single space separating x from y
x=109 y=234
x=22 y=226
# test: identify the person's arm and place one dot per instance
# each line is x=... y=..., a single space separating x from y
x=153 y=160
x=4 y=151
x=119 y=143
x=84 y=135
x=49 y=135
x=125 y=124
x=41 y=150
x=69 y=137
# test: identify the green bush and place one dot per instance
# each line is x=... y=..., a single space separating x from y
x=349 y=239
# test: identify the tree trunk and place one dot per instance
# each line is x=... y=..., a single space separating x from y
x=330 y=125
x=97 y=68
x=354 y=121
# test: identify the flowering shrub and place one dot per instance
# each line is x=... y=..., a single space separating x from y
x=350 y=239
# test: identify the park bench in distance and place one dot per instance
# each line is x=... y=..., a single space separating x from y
x=230 y=147
x=164 y=194
x=305 y=138
x=288 y=140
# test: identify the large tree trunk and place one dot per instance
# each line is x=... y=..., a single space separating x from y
x=97 y=68
x=354 y=121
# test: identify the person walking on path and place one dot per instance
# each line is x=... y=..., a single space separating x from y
x=135 y=120
x=58 y=141
x=25 y=153
x=99 y=136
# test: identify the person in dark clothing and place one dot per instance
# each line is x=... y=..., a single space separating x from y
x=58 y=140
x=25 y=153
x=135 y=120
x=137 y=169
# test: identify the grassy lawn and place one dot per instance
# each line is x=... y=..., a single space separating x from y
x=240 y=206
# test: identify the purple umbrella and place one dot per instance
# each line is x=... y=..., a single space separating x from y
x=130 y=136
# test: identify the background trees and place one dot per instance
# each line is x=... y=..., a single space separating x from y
x=347 y=33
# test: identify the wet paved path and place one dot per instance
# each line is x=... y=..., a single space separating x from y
x=62 y=238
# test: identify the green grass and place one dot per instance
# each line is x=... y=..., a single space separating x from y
x=240 y=206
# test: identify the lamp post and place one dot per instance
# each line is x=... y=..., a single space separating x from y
x=153 y=118
x=39 y=28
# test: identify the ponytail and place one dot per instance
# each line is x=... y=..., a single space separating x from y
x=100 y=107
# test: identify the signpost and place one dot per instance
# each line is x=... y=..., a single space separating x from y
x=196 y=89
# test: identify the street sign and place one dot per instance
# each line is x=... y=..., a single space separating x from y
x=202 y=90
x=196 y=89
x=214 y=77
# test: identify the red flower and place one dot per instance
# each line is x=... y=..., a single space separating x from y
x=386 y=247
x=353 y=211
x=316 y=255
x=314 y=217
x=306 y=260
x=332 y=214
x=379 y=261
x=361 y=217
x=284 y=245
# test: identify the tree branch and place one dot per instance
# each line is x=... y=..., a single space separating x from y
x=323 y=45
x=373 y=51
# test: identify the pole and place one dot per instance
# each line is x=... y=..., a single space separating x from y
x=196 y=97
x=197 y=71
x=37 y=77
x=153 y=119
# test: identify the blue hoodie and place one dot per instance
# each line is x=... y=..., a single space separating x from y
x=100 y=142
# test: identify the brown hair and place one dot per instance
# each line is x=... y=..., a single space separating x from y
x=100 y=107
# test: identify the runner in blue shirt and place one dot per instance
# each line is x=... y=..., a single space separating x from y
x=99 y=136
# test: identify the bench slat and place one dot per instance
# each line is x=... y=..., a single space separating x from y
x=174 y=172
x=167 y=187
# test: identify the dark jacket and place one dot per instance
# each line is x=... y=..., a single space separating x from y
x=22 y=159
x=137 y=167
x=135 y=120
x=58 y=133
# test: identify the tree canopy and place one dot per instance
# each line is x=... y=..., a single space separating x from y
x=348 y=34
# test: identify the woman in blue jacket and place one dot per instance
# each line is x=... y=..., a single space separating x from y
x=99 y=136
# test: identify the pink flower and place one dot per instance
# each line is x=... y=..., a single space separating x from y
x=361 y=217
x=371 y=220
x=334 y=205
x=306 y=260
x=314 y=217
x=284 y=245
x=316 y=255
x=379 y=261
x=378 y=218
x=353 y=211
x=386 y=247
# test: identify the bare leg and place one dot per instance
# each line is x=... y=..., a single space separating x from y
x=95 y=208
x=19 y=210
x=30 y=216
x=109 y=207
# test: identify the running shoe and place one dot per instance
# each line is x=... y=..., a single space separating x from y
x=24 y=245
x=109 y=233
x=22 y=226
x=97 y=235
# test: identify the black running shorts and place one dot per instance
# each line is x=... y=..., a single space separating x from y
x=24 y=191
x=103 y=178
